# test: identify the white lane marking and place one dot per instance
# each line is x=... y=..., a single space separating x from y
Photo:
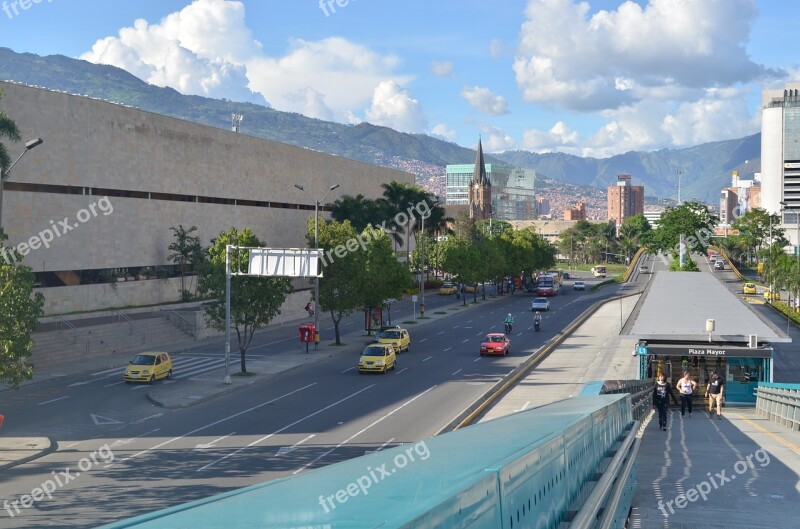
x=423 y=339
x=440 y=332
x=361 y=431
x=114 y=384
x=480 y=333
x=54 y=400
x=524 y=406
x=137 y=454
x=329 y=406
x=134 y=388
x=447 y=349
x=476 y=359
x=119 y=442
x=457 y=372
x=146 y=418
x=213 y=444
x=381 y=447
x=426 y=359
x=346 y=370
x=100 y=420
x=287 y=449
x=404 y=369
x=465 y=341
x=469 y=321
x=273 y=343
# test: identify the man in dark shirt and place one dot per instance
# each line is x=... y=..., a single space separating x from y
x=661 y=395
x=715 y=392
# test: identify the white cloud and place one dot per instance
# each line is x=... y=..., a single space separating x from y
x=572 y=60
x=495 y=139
x=496 y=48
x=392 y=106
x=442 y=69
x=201 y=50
x=207 y=49
x=560 y=138
x=444 y=132
x=483 y=100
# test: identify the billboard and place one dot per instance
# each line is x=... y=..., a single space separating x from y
x=284 y=262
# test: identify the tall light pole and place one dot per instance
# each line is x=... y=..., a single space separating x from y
x=422 y=260
x=679 y=172
x=30 y=144
x=316 y=247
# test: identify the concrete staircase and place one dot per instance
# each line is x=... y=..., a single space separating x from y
x=116 y=337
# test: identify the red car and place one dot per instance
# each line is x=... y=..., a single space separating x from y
x=495 y=344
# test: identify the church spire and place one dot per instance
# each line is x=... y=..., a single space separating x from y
x=479 y=176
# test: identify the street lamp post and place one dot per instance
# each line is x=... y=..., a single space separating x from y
x=316 y=247
x=680 y=173
x=30 y=144
x=422 y=262
x=796 y=211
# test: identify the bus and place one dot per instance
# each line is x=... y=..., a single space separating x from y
x=558 y=275
x=546 y=285
x=599 y=271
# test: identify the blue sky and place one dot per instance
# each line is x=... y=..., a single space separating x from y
x=595 y=78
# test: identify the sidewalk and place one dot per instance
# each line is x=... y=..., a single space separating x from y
x=171 y=394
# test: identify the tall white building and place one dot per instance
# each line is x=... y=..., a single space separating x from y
x=780 y=156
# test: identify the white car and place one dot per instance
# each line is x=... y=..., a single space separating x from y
x=540 y=304
x=578 y=285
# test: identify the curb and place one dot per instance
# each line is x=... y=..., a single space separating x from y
x=52 y=447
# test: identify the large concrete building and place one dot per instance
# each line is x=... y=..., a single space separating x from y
x=109 y=181
x=780 y=157
x=624 y=200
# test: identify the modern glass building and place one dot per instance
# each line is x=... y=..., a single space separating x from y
x=513 y=189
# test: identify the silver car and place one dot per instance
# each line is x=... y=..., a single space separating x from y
x=540 y=304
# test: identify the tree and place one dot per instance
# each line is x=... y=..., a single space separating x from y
x=255 y=301
x=383 y=277
x=691 y=220
x=754 y=229
x=9 y=130
x=461 y=260
x=341 y=287
x=20 y=310
x=186 y=252
x=360 y=211
x=634 y=233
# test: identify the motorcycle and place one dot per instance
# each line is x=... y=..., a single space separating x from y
x=508 y=328
x=537 y=325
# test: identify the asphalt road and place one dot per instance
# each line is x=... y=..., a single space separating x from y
x=127 y=457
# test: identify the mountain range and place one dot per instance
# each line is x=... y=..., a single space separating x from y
x=703 y=170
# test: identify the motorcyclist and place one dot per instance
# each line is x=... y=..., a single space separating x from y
x=537 y=320
x=509 y=322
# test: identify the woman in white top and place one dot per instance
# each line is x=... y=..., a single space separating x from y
x=686 y=387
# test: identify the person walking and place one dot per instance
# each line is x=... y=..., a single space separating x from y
x=661 y=395
x=686 y=387
x=715 y=393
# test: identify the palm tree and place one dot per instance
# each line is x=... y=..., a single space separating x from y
x=9 y=130
x=186 y=251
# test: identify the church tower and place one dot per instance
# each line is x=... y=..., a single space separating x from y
x=480 y=190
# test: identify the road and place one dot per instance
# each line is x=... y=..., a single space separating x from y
x=126 y=456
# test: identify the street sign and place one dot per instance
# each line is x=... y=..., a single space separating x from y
x=414 y=298
x=284 y=262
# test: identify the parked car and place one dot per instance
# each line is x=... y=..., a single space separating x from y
x=540 y=304
x=377 y=357
x=750 y=288
x=447 y=289
x=578 y=285
x=398 y=338
x=495 y=344
x=148 y=367
x=769 y=295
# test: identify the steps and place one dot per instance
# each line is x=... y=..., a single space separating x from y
x=112 y=338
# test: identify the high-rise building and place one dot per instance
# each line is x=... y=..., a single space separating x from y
x=542 y=206
x=624 y=200
x=576 y=213
x=512 y=189
x=735 y=201
x=780 y=156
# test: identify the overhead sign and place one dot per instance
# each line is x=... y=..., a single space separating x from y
x=711 y=350
x=284 y=262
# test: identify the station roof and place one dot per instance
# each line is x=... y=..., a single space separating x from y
x=676 y=305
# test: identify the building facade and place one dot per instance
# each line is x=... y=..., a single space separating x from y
x=480 y=189
x=576 y=213
x=624 y=200
x=780 y=156
x=109 y=182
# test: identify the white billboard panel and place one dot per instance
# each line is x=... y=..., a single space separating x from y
x=284 y=262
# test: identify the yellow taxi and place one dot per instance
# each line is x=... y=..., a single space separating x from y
x=769 y=295
x=397 y=338
x=749 y=288
x=447 y=289
x=149 y=367
x=377 y=357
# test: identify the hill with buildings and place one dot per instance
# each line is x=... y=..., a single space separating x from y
x=705 y=168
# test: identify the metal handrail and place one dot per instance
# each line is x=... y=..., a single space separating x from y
x=175 y=318
x=133 y=326
x=606 y=492
x=76 y=332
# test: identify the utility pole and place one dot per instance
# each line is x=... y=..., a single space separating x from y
x=679 y=173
